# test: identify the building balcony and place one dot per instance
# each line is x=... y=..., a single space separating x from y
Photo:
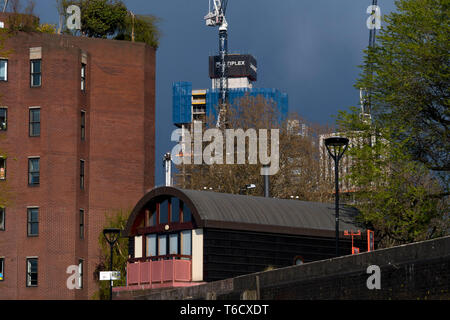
x=159 y=272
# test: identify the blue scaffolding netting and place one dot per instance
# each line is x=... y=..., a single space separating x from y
x=182 y=101
x=182 y=112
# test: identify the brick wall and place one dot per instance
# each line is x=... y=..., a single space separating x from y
x=415 y=271
x=118 y=153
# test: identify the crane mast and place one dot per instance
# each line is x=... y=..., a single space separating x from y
x=365 y=95
x=216 y=18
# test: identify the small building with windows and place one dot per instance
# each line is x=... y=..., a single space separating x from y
x=187 y=237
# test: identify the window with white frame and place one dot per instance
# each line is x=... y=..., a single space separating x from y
x=32 y=272
x=36 y=72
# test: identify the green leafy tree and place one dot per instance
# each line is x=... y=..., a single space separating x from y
x=102 y=18
x=140 y=28
x=120 y=256
x=22 y=19
x=397 y=196
x=407 y=74
x=111 y=19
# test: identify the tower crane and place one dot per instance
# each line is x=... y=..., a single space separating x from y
x=5 y=4
x=365 y=95
x=216 y=18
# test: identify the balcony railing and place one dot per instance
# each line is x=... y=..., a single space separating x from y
x=156 y=270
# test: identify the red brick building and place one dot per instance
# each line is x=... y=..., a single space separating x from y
x=77 y=126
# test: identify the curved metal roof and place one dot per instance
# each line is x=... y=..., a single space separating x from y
x=239 y=212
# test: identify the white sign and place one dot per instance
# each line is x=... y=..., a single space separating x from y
x=74 y=19
x=109 y=275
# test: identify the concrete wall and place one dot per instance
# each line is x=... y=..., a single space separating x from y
x=414 y=271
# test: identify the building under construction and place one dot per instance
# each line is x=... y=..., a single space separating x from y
x=197 y=105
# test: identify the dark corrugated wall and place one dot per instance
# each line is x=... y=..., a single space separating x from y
x=231 y=253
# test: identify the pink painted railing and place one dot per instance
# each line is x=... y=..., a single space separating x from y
x=160 y=271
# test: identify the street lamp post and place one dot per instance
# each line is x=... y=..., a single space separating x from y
x=111 y=235
x=336 y=147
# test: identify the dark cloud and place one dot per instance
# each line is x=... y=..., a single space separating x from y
x=310 y=49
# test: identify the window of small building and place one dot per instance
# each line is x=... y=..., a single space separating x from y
x=176 y=208
x=151 y=245
x=173 y=243
x=151 y=217
x=162 y=245
x=164 y=212
x=187 y=215
x=3 y=119
x=186 y=242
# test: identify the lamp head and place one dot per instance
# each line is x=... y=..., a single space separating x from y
x=111 y=235
x=336 y=146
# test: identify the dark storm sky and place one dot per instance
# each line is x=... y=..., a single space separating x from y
x=310 y=49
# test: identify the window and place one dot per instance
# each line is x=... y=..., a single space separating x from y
x=33 y=171
x=151 y=245
x=175 y=213
x=2 y=219
x=298 y=261
x=3 y=118
x=2 y=269
x=82 y=174
x=81 y=224
x=83 y=125
x=187 y=216
x=164 y=212
x=151 y=218
x=173 y=243
x=83 y=77
x=80 y=273
x=33 y=222
x=32 y=272
x=2 y=168
x=35 y=122
x=162 y=245
x=36 y=72
x=186 y=242
x=3 y=70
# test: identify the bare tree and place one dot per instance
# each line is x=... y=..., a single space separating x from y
x=299 y=175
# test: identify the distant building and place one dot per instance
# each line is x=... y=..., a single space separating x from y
x=77 y=123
